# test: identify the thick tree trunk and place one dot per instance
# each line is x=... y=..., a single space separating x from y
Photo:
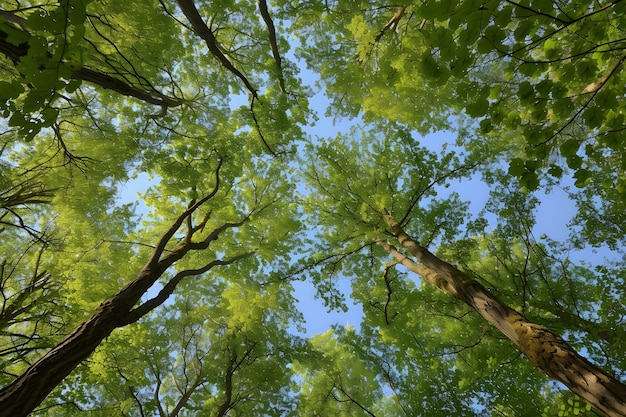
x=546 y=350
x=25 y=393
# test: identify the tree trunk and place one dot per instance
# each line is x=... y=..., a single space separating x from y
x=24 y=394
x=546 y=350
x=21 y=397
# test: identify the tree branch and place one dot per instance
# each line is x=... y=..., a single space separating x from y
x=143 y=309
x=202 y=30
x=16 y=52
x=271 y=29
x=543 y=348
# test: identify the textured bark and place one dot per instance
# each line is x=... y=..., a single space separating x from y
x=271 y=30
x=545 y=349
x=31 y=388
x=202 y=30
x=27 y=391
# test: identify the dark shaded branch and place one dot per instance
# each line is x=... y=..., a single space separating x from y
x=184 y=399
x=28 y=390
x=355 y=402
x=233 y=365
x=271 y=29
x=536 y=12
x=143 y=309
x=389 y=292
x=258 y=129
x=565 y=24
x=160 y=246
x=16 y=52
x=109 y=82
x=202 y=30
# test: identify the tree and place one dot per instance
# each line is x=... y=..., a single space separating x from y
x=356 y=199
x=240 y=196
x=195 y=357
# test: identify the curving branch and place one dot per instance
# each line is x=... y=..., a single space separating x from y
x=389 y=292
x=271 y=29
x=202 y=30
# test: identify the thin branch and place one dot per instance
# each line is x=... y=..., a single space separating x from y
x=16 y=52
x=529 y=9
x=143 y=309
x=355 y=402
x=160 y=247
x=258 y=128
x=592 y=89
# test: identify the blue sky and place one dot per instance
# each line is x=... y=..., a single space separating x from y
x=552 y=215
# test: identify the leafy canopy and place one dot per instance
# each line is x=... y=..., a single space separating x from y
x=120 y=116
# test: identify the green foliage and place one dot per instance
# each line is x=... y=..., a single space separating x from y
x=96 y=97
x=46 y=45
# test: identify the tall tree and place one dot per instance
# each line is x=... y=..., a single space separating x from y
x=536 y=82
x=372 y=197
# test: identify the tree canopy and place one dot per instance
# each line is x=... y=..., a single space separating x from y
x=171 y=172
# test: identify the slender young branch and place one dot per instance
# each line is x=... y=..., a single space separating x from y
x=160 y=247
x=143 y=309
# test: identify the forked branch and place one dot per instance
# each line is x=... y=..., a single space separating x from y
x=26 y=392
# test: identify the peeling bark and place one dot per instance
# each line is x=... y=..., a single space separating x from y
x=545 y=349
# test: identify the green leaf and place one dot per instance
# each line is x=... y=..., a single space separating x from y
x=49 y=116
x=556 y=171
x=517 y=167
x=72 y=85
x=526 y=93
x=478 y=108
x=606 y=100
x=530 y=180
x=593 y=116
x=582 y=177
x=569 y=147
x=10 y=90
x=14 y=35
